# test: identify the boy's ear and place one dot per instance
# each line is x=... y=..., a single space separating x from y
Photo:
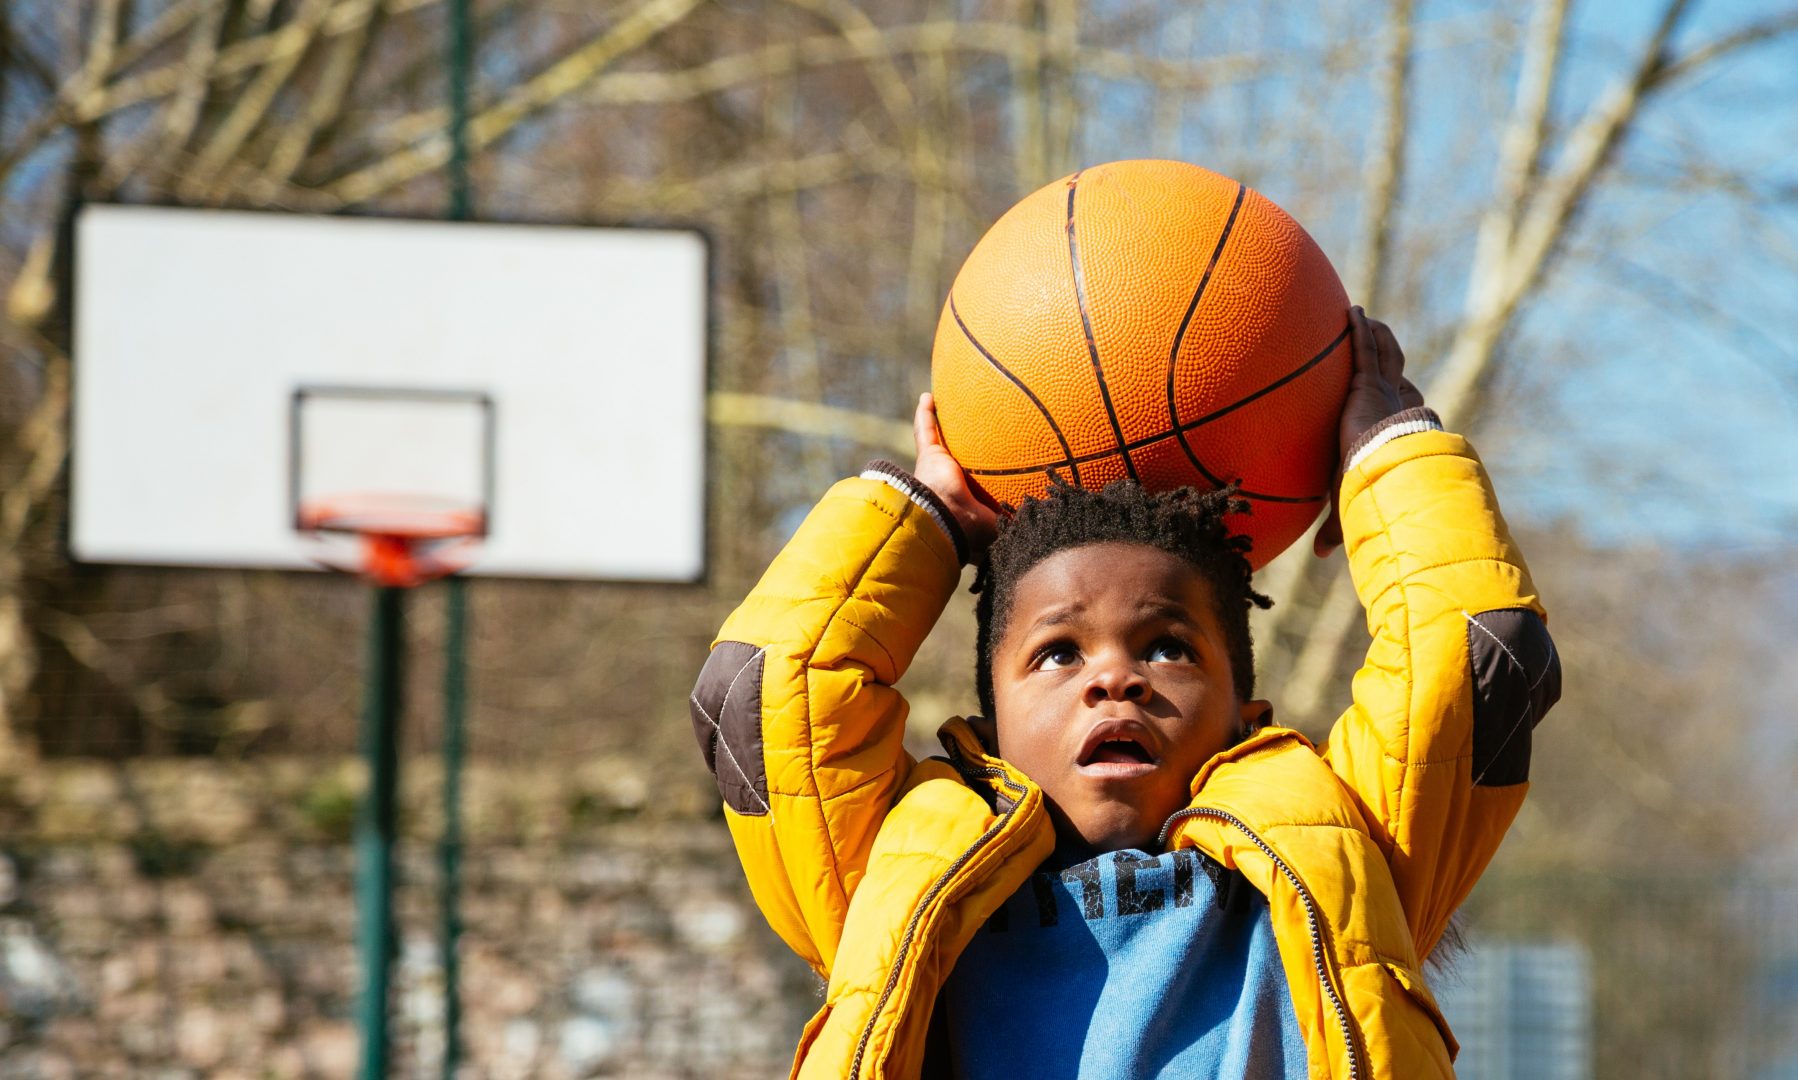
x=988 y=731
x=1255 y=714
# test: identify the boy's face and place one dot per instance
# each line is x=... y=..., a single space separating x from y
x=1111 y=687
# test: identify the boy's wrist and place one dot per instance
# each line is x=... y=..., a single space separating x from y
x=1399 y=424
x=902 y=480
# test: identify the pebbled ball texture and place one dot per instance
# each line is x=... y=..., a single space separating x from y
x=1148 y=319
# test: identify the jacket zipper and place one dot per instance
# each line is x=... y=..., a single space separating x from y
x=911 y=927
x=1313 y=923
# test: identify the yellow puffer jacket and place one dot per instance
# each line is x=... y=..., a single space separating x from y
x=878 y=868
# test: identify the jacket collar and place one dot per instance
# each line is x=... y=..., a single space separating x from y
x=979 y=767
x=1275 y=777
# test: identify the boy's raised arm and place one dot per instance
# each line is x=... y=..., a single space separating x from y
x=1461 y=667
x=795 y=709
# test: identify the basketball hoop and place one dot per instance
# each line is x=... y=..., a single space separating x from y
x=399 y=541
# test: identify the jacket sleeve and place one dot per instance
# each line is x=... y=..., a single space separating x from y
x=795 y=708
x=1436 y=744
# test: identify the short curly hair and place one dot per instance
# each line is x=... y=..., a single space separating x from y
x=1185 y=523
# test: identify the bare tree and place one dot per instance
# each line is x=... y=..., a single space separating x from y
x=846 y=155
x=1535 y=204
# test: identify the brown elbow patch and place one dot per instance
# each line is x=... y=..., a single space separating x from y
x=1516 y=678
x=726 y=706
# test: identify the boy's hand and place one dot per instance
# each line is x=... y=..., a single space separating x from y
x=1377 y=389
x=942 y=474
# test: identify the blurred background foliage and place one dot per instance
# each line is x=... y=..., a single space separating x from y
x=1582 y=219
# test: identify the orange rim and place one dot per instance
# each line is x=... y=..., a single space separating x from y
x=379 y=514
x=405 y=540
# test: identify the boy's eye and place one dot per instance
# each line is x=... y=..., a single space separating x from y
x=1169 y=651
x=1057 y=656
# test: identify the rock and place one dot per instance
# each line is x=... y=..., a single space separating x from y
x=33 y=980
x=43 y=1065
x=586 y=1043
x=117 y=975
x=419 y=990
x=187 y=909
x=710 y=924
x=609 y=995
x=142 y=952
x=200 y=1037
x=81 y=903
x=284 y=1062
x=521 y=1043
x=199 y=962
x=618 y=783
x=605 y=870
x=329 y=1048
x=268 y=1011
x=513 y=993
x=133 y=901
x=140 y=1019
x=82 y=803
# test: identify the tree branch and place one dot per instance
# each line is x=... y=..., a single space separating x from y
x=1384 y=177
x=1382 y=182
x=1753 y=34
x=750 y=180
x=557 y=82
x=200 y=181
x=326 y=102
x=809 y=418
x=1494 y=291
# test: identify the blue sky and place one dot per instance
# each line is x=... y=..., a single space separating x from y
x=1662 y=348
x=1648 y=392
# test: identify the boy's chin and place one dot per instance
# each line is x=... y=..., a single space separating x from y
x=1077 y=839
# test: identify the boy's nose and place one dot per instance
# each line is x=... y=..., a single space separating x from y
x=1116 y=682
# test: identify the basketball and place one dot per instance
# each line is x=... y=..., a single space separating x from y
x=1155 y=321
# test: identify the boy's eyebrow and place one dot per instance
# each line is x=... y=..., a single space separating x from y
x=1060 y=616
x=1167 y=609
x=1158 y=607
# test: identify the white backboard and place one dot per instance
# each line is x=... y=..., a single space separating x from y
x=194 y=329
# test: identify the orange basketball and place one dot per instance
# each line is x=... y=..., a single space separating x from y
x=1152 y=320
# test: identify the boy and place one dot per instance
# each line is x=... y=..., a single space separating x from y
x=1028 y=905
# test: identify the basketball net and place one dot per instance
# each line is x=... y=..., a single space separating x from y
x=398 y=541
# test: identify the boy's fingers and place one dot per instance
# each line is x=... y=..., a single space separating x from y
x=1329 y=535
x=1366 y=353
x=1386 y=350
x=923 y=423
x=1408 y=394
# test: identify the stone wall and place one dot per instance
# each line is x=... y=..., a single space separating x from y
x=187 y=918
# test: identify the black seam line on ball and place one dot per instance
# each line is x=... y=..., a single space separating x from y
x=1188 y=426
x=1335 y=344
x=1260 y=496
x=1068 y=461
x=1173 y=356
x=1086 y=324
x=1100 y=455
x=1087 y=459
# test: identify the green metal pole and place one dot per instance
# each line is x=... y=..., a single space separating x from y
x=384 y=698
x=455 y=698
x=461 y=49
x=455 y=665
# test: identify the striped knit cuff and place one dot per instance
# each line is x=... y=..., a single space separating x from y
x=1408 y=422
x=928 y=501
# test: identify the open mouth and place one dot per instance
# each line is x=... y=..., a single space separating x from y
x=1120 y=751
x=1117 y=748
